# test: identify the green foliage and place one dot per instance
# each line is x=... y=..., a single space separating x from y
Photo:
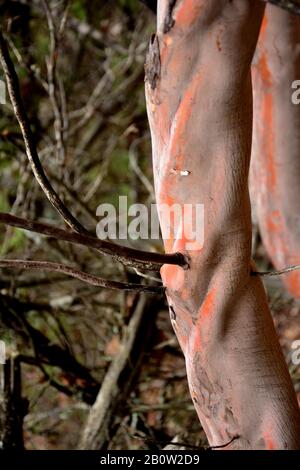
x=119 y=162
x=4 y=160
x=42 y=44
x=16 y=241
x=78 y=9
x=133 y=5
x=4 y=206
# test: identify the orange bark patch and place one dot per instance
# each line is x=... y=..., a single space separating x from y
x=263 y=28
x=206 y=309
x=293 y=281
x=187 y=13
x=269 y=442
x=264 y=70
x=173 y=277
x=267 y=125
x=269 y=141
x=169 y=201
x=197 y=340
x=275 y=228
x=201 y=331
x=273 y=221
x=181 y=120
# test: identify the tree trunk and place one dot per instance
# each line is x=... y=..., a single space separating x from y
x=275 y=169
x=199 y=100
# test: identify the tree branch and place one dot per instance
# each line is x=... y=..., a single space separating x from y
x=30 y=147
x=128 y=256
x=82 y=276
x=289 y=269
x=140 y=259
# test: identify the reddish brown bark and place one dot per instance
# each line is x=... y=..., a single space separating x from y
x=199 y=98
x=275 y=165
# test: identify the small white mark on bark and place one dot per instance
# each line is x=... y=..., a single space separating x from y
x=174 y=171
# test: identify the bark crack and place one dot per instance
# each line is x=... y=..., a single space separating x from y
x=172 y=313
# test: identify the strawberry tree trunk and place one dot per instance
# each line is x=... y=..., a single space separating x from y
x=199 y=101
x=275 y=168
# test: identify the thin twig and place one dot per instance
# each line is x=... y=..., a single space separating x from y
x=150 y=440
x=289 y=269
x=146 y=276
x=82 y=276
x=76 y=199
x=31 y=150
x=52 y=73
x=183 y=444
x=136 y=168
x=140 y=258
x=128 y=256
x=222 y=446
x=32 y=70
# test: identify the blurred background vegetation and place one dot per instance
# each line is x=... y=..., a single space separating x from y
x=83 y=87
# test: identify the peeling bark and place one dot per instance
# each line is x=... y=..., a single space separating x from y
x=200 y=114
x=152 y=66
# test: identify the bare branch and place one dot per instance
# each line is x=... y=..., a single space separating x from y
x=139 y=258
x=31 y=150
x=289 y=269
x=53 y=80
x=128 y=256
x=82 y=276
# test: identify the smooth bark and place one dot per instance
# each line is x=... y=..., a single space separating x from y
x=199 y=98
x=275 y=168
